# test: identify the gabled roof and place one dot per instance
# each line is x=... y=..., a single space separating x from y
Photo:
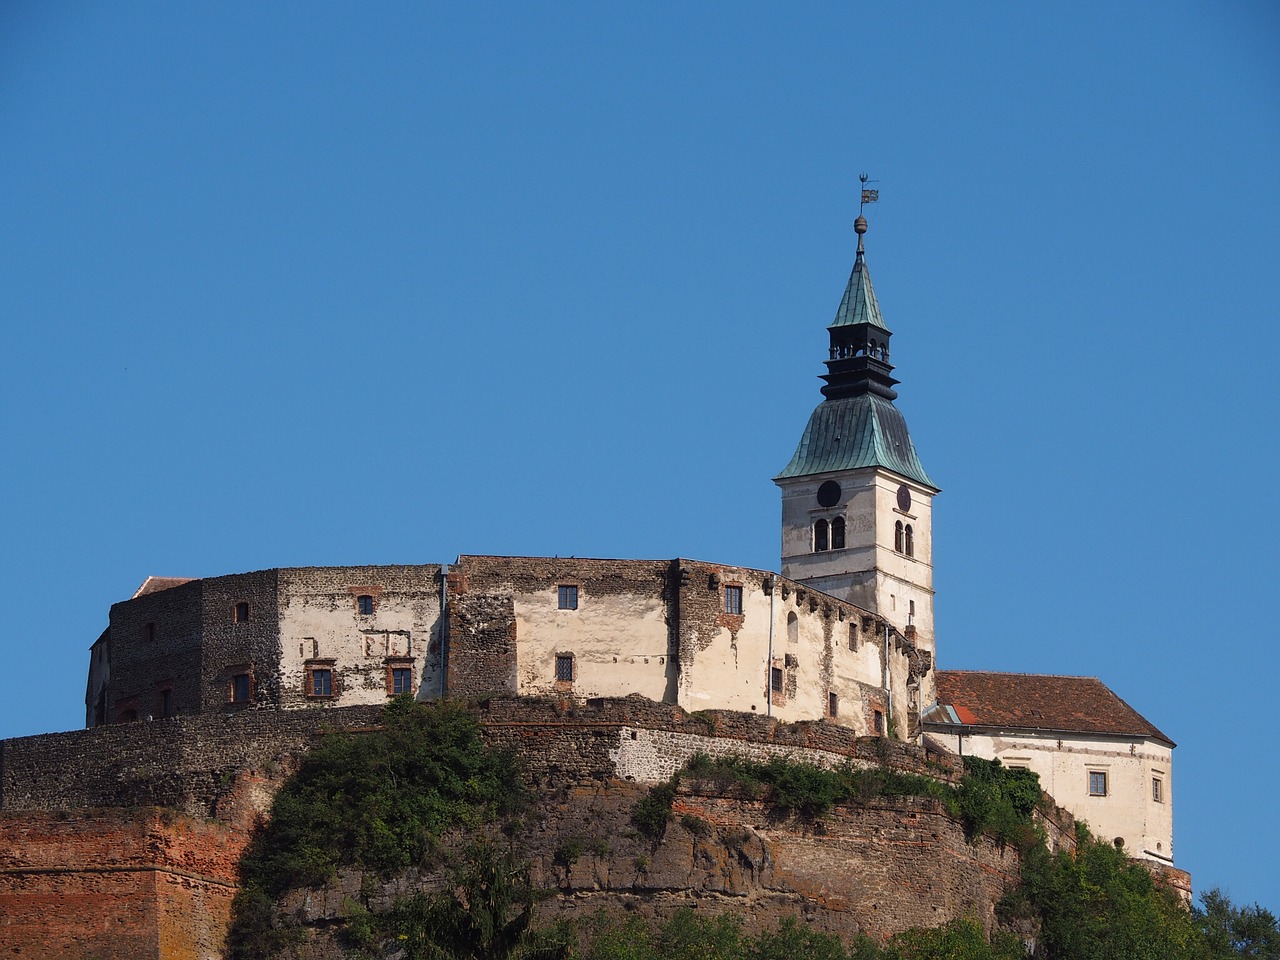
x=853 y=432
x=859 y=303
x=1031 y=701
x=156 y=584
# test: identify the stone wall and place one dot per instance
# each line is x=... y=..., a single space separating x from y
x=165 y=875
x=115 y=884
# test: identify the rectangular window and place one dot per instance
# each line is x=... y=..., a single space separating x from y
x=878 y=723
x=564 y=667
x=1097 y=783
x=242 y=612
x=401 y=680
x=166 y=703
x=775 y=679
x=240 y=688
x=733 y=600
x=1157 y=790
x=321 y=682
x=567 y=597
x=364 y=605
x=148 y=632
x=833 y=705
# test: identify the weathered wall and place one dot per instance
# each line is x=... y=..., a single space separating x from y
x=618 y=634
x=122 y=884
x=321 y=625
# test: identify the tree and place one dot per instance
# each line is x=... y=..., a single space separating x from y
x=1231 y=931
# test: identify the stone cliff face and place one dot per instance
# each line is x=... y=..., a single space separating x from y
x=135 y=882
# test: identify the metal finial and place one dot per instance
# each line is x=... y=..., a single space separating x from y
x=868 y=196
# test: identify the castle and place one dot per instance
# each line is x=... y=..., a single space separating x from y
x=845 y=634
x=608 y=675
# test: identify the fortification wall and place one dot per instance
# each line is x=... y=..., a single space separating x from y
x=133 y=882
x=124 y=884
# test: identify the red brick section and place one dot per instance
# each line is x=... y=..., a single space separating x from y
x=115 y=884
x=1041 y=702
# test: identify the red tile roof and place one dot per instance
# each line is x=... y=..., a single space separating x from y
x=1040 y=702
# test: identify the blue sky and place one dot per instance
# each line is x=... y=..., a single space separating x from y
x=317 y=283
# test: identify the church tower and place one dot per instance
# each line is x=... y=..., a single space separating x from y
x=856 y=501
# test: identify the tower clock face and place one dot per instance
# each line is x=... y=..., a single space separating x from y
x=829 y=494
x=904 y=498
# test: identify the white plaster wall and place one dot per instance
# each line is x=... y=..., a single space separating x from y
x=618 y=641
x=1063 y=764
x=319 y=620
x=731 y=670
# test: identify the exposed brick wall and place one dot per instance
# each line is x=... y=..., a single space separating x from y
x=132 y=884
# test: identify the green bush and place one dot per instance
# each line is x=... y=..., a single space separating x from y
x=652 y=812
x=378 y=800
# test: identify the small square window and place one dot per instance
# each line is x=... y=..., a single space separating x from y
x=567 y=597
x=242 y=612
x=1157 y=790
x=733 y=600
x=364 y=605
x=401 y=680
x=564 y=667
x=321 y=682
x=1097 y=783
x=775 y=679
x=240 y=688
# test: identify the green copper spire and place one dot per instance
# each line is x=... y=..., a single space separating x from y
x=857 y=425
x=859 y=303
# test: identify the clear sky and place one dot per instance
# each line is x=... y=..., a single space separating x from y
x=316 y=283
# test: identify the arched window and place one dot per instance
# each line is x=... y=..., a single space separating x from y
x=874 y=350
x=820 y=535
x=837 y=533
x=910 y=542
x=897 y=536
x=793 y=628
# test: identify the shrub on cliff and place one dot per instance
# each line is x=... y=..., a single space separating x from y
x=378 y=800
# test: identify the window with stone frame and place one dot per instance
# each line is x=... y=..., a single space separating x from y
x=833 y=704
x=567 y=596
x=1157 y=789
x=837 y=533
x=319 y=681
x=400 y=677
x=1097 y=783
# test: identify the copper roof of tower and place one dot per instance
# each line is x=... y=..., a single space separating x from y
x=859 y=304
x=853 y=432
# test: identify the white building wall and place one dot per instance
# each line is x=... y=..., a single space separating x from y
x=321 y=627
x=619 y=643
x=1129 y=810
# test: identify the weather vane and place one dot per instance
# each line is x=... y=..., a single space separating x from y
x=868 y=196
